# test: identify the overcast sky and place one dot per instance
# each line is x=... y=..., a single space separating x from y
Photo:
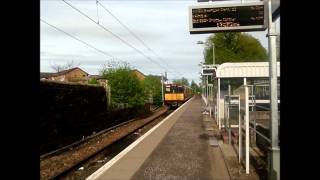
x=162 y=25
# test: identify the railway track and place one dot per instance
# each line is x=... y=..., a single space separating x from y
x=75 y=144
x=64 y=163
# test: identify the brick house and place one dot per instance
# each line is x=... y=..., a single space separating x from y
x=139 y=74
x=71 y=75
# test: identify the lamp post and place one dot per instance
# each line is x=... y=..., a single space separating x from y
x=163 y=80
x=213 y=54
x=204 y=84
x=209 y=91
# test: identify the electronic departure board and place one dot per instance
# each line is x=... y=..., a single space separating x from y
x=231 y=17
x=209 y=72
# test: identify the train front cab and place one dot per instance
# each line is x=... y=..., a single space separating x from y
x=174 y=95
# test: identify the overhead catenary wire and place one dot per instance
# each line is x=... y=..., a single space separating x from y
x=70 y=35
x=130 y=31
x=122 y=40
x=134 y=35
x=78 y=39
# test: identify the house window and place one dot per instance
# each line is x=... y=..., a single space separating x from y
x=84 y=75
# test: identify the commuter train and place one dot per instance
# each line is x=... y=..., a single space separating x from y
x=175 y=94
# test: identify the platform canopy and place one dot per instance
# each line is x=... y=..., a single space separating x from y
x=245 y=69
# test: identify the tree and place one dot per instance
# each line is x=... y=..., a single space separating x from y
x=234 y=47
x=57 y=68
x=195 y=86
x=152 y=84
x=93 y=81
x=182 y=81
x=68 y=65
x=125 y=86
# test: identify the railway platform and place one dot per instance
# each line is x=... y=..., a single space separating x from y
x=186 y=145
x=185 y=152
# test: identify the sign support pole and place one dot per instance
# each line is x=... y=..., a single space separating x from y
x=274 y=155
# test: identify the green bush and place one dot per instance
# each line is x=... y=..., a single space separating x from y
x=152 y=85
x=125 y=86
x=93 y=81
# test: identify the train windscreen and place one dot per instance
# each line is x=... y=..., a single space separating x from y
x=174 y=89
x=180 y=89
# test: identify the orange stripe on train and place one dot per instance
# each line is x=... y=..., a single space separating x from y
x=174 y=97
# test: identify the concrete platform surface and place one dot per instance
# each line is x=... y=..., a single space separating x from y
x=185 y=152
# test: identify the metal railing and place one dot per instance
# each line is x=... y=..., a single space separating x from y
x=255 y=105
x=263 y=136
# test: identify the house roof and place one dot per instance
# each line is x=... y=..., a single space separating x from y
x=97 y=77
x=48 y=74
x=136 y=70
x=69 y=70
